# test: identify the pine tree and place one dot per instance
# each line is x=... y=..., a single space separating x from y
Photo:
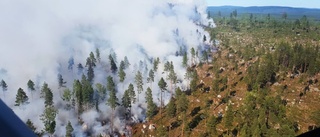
x=91 y=63
x=48 y=118
x=182 y=103
x=182 y=106
x=163 y=86
x=188 y=76
x=161 y=131
x=122 y=65
x=113 y=67
x=121 y=74
x=171 y=108
x=110 y=84
x=70 y=63
x=4 y=86
x=194 y=81
x=77 y=89
x=205 y=56
x=90 y=73
x=112 y=102
x=31 y=126
x=151 y=107
x=61 y=82
x=173 y=78
x=132 y=93
x=98 y=55
x=139 y=83
x=80 y=68
x=150 y=79
x=69 y=129
x=155 y=64
x=126 y=62
x=193 y=53
x=167 y=66
x=126 y=100
x=178 y=93
x=48 y=97
x=87 y=92
x=21 y=97
x=185 y=60
x=31 y=86
x=228 y=118
x=102 y=91
x=211 y=125
x=67 y=96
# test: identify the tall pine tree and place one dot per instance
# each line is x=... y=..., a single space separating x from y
x=21 y=97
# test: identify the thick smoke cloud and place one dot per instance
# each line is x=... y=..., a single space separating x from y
x=38 y=38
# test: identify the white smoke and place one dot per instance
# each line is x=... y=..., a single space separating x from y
x=38 y=38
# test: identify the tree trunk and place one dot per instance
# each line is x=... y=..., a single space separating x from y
x=161 y=105
x=112 y=119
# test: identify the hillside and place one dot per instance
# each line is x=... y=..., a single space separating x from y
x=266 y=71
x=293 y=13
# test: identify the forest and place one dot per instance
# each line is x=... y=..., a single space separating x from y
x=262 y=81
x=241 y=75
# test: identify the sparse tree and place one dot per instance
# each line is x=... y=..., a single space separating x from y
x=151 y=107
x=113 y=64
x=93 y=60
x=87 y=92
x=21 y=97
x=31 y=126
x=90 y=72
x=139 y=83
x=155 y=64
x=132 y=93
x=211 y=125
x=194 y=81
x=173 y=78
x=80 y=68
x=126 y=101
x=161 y=131
x=150 y=79
x=48 y=118
x=69 y=129
x=121 y=74
x=48 y=96
x=98 y=55
x=171 y=108
x=163 y=86
x=205 y=56
x=284 y=15
x=67 y=96
x=229 y=118
x=182 y=103
x=70 y=63
x=31 y=86
x=110 y=84
x=4 y=86
x=77 y=89
x=185 y=60
x=61 y=82
x=182 y=106
x=193 y=55
x=113 y=103
x=126 y=62
x=102 y=91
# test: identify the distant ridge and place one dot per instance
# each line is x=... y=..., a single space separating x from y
x=272 y=10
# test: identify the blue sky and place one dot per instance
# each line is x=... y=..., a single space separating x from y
x=290 y=3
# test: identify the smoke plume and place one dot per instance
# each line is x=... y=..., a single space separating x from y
x=39 y=38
